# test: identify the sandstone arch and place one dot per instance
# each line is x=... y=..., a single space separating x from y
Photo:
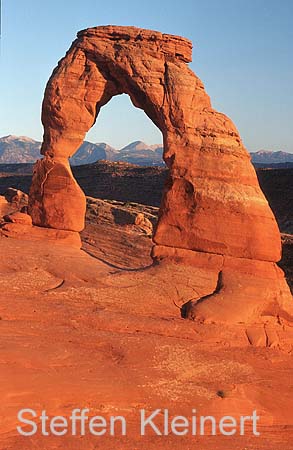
x=213 y=212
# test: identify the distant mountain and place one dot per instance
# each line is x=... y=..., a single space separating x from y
x=136 y=152
x=21 y=149
x=18 y=149
x=141 y=154
x=89 y=153
x=270 y=157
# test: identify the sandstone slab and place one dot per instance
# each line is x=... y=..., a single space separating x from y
x=25 y=231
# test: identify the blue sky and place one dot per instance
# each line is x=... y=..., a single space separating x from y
x=242 y=52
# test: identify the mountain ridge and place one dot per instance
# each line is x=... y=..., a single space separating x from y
x=265 y=156
x=23 y=149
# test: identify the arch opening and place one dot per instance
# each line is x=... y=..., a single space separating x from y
x=130 y=151
x=119 y=123
x=126 y=204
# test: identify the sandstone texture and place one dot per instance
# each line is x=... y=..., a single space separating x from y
x=13 y=201
x=16 y=197
x=4 y=205
x=18 y=225
x=56 y=200
x=212 y=202
x=18 y=217
x=76 y=332
x=107 y=319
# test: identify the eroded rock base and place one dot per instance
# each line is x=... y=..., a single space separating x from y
x=19 y=226
x=244 y=290
x=56 y=200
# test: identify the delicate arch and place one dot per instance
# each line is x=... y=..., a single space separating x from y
x=212 y=203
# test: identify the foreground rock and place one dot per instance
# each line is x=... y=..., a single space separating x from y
x=16 y=197
x=4 y=206
x=122 y=213
x=12 y=201
x=118 y=337
x=58 y=201
x=18 y=217
x=19 y=226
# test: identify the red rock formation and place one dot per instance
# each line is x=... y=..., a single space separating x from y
x=17 y=198
x=58 y=201
x=19 y=226
x=212 y=201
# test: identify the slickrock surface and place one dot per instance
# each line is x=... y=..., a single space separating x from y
x=104 y=331
x=76 y=332
x=212 y=205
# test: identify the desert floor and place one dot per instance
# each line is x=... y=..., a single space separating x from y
x=98 y=328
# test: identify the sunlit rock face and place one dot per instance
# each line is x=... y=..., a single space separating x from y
x=212 y=202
